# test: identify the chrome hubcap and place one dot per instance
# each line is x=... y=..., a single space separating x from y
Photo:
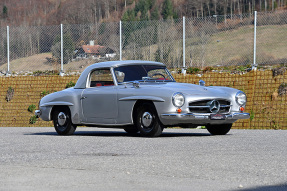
x=146 y=119
x=62 y=118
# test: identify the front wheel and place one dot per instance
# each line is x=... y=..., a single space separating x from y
x=219 y=129
x=147 y=121
x=62 y=121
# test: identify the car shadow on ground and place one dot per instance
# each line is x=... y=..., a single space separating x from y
x=279 y=187
x=123 y=134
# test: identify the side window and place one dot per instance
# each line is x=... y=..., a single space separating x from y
x=101 y=77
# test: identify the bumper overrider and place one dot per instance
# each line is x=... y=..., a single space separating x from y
x=38 y=113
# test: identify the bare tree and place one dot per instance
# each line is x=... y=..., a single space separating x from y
x=215 y=6
x=107 y=9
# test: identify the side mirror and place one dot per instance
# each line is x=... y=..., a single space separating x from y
x=201 y=83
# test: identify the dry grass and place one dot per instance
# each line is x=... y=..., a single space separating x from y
x=39 y=62
x=236 y=46
x=31 y=63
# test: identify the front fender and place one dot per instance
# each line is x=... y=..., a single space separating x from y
x=68 y=97
x=46 y=108
x=127 y=105
x=45 y=113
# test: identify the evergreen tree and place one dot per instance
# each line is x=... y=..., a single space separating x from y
x=128 y=27
x=167 y=10
x=102 y=28
x=155 y=14
x=157 y=55
x=142 y=7
x=129 y=15
x=125 y=16
x=155 y=36
x=68 y=48
x=5 y=11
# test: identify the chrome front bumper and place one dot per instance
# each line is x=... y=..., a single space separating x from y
x=191 y=116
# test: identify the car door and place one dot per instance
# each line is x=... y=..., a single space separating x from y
x=99 y=99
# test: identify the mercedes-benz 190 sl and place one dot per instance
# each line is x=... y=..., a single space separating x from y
x=141 y=96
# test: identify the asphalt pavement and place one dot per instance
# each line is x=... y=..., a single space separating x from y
x=110 y=159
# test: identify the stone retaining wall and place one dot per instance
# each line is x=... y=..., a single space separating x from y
x=266 y=106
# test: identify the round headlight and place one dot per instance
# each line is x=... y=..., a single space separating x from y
x=178 y=99
x=240 y=98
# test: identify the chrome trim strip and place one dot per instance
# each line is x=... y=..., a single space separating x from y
x=153 y=98
x=57 y=103
x=203 y=106
x=225 y=105
x=106 y=125
x=206 y=106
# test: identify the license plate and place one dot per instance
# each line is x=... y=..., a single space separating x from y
x=217 y=117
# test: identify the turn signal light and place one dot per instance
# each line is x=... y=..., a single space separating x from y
x=241 y=109
x=179 y=110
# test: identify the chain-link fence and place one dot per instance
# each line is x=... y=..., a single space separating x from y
x=198 y=42
x=272 y=38
x=3 y=48
x=29 y=49
x=88 y=44
x=219 y=41
x=154 y=40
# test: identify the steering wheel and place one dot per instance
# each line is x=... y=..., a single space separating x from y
x=159 y=75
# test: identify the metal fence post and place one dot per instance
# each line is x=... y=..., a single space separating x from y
x=254 y=65
x=183 y=46
x=8 y=53
x=62 y=53
x=120 y=40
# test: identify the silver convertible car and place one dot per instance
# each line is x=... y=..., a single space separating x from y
x=141 y=96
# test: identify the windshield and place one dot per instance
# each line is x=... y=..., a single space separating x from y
x=142 y=73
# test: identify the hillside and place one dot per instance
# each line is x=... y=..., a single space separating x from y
x=219 y=48
x=54 y=12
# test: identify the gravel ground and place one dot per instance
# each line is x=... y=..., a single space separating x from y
x=110 y=159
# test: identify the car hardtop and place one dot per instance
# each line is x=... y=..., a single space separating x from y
x=81 y=83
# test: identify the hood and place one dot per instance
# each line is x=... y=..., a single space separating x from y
x=191 y=89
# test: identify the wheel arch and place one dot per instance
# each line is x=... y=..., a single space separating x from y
x=55 y=107
x=138 y=104
x=146 y=119
x=61 y=116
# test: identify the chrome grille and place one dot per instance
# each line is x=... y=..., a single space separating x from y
x=204 y=107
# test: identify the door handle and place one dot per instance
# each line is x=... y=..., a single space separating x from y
x=83 y=97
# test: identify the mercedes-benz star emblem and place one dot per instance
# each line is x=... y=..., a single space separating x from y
x=214 y=106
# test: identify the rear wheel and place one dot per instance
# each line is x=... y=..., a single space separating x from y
x=147 y=121
x=62 y=121
x=219 y=129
